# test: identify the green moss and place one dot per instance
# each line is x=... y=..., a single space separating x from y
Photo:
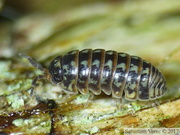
x=18 y=122
x=84 y=134
x=5 y=73
x=136 y=106
x=21 y=84
x=15 y=101
x=164 y=117
x=42 y=126
x=94 y=130
x=82 y=99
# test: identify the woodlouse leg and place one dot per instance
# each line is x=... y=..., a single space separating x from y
x=119 y=103
x=155 y=104
x=90 y=97
x=34 y=82
x=38 y=66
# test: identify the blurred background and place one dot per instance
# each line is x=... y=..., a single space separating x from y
x=44 y=29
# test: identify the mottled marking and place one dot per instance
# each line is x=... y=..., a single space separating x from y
x=55 y=69
x=156 y=81
x=163 y=87
x=96 y=71
x=122 y=54
x=70 y=71
x=130 y=95
x=154 y=74
x=98 y=50
x=131 y=88
x=84 y=62
x=108 y=71
x=143 y=93
x=159 y=87
x=84 y=70
x=96 y=63
x=120 y=75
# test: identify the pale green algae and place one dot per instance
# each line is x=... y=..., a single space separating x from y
x=80 y=99
x=43 y=126
x=15 y=101
x=5 y=70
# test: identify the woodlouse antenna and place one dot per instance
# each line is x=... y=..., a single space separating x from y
x=33 y=63
x=38 y=66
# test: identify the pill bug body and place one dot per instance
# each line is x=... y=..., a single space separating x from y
x=113 y=73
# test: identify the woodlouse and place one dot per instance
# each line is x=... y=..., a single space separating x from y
x=98 y=70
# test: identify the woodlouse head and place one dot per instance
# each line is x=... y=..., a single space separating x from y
x=55 y=70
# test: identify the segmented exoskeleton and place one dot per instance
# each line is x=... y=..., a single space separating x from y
x=119 y=74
